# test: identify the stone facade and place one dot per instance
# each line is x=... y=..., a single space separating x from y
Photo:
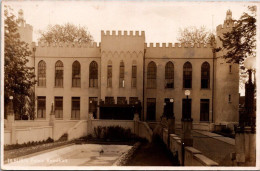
x=131 y=49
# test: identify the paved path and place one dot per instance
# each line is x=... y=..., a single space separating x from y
x=154 y=154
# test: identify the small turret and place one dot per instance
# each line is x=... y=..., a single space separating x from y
x=21 y=20
x=228 y=17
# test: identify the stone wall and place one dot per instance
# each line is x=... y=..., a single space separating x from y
x=192 y=156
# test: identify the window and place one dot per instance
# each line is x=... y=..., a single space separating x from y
x=229 y=98
x=59 y=74
x=109 y=100
x=109 y=74
x=151 y=109
x=93 y=101
x=42 y=73
x=122 y=75
x=133 y=100
x=187 y=75
x=230 y=68
x=75 y=109
x=93 y=74
x=169 y=75
x=134 y=73
x=121 y=100
x=41 y=107
x=58 y=107
x=204 y=109
x=205 y=75
x=151 y=75
x=76 y=74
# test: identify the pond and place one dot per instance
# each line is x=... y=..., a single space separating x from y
x=75 y=155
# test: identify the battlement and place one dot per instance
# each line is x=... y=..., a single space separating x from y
x=27 y=26
x=70 y=45
x=176 y=45
x=123 y=34
x=226 y=26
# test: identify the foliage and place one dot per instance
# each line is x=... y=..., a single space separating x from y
x=240 y=43
x=192 y=35
x=64 y=137
x=112 y=133
x=28 y=144
x=66 y=33
x=18 y=78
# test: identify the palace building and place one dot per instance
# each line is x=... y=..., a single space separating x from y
x=123 y=74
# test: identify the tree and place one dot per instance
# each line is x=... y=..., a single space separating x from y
x=65 y=33
x=18 y=78
x=240 y=43
x=192 y=35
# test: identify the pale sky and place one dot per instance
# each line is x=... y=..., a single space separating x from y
x=160 y=20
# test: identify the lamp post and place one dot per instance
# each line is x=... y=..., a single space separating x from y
x=245 y=138
x=187 y=121
x=249 y=64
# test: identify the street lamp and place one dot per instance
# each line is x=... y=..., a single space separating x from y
x=249 y=64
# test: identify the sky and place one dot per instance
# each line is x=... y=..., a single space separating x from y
x=161 y=20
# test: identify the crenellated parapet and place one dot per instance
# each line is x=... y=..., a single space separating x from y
x=177 y=45
x=70 y=45
x=44 y=49
x=123 y=33
x=225 y=26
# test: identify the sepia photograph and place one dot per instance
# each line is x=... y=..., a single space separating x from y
x=148 y=85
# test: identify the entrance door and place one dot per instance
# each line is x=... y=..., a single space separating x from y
x=186 y=108
x=151 y=109
x=168 y=109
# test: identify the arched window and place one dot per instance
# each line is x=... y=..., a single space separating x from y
x=76 y=74
x=42 y=73
x=205 y=75
x=109 y=74
x=122 y=75
x=59 y=74
x=187 y=75
x=169 y=75
x=134 y=74
x=93 y=74
x=151 y=75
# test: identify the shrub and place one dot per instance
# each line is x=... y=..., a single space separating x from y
x=98 y=132
x=112 y=133
x=49 y=140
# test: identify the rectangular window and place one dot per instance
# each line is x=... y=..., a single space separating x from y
x=93 y=101
x=41 y=107
x=58 y=107
x=109 y=76
x=134 y=73
x=75 y=109
x=121 y=100
x=204 y=109
x=151 y=109
x=109 y=100
x=133 y=100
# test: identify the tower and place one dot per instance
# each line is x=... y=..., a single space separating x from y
x=26 y=32
x=226 y=91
